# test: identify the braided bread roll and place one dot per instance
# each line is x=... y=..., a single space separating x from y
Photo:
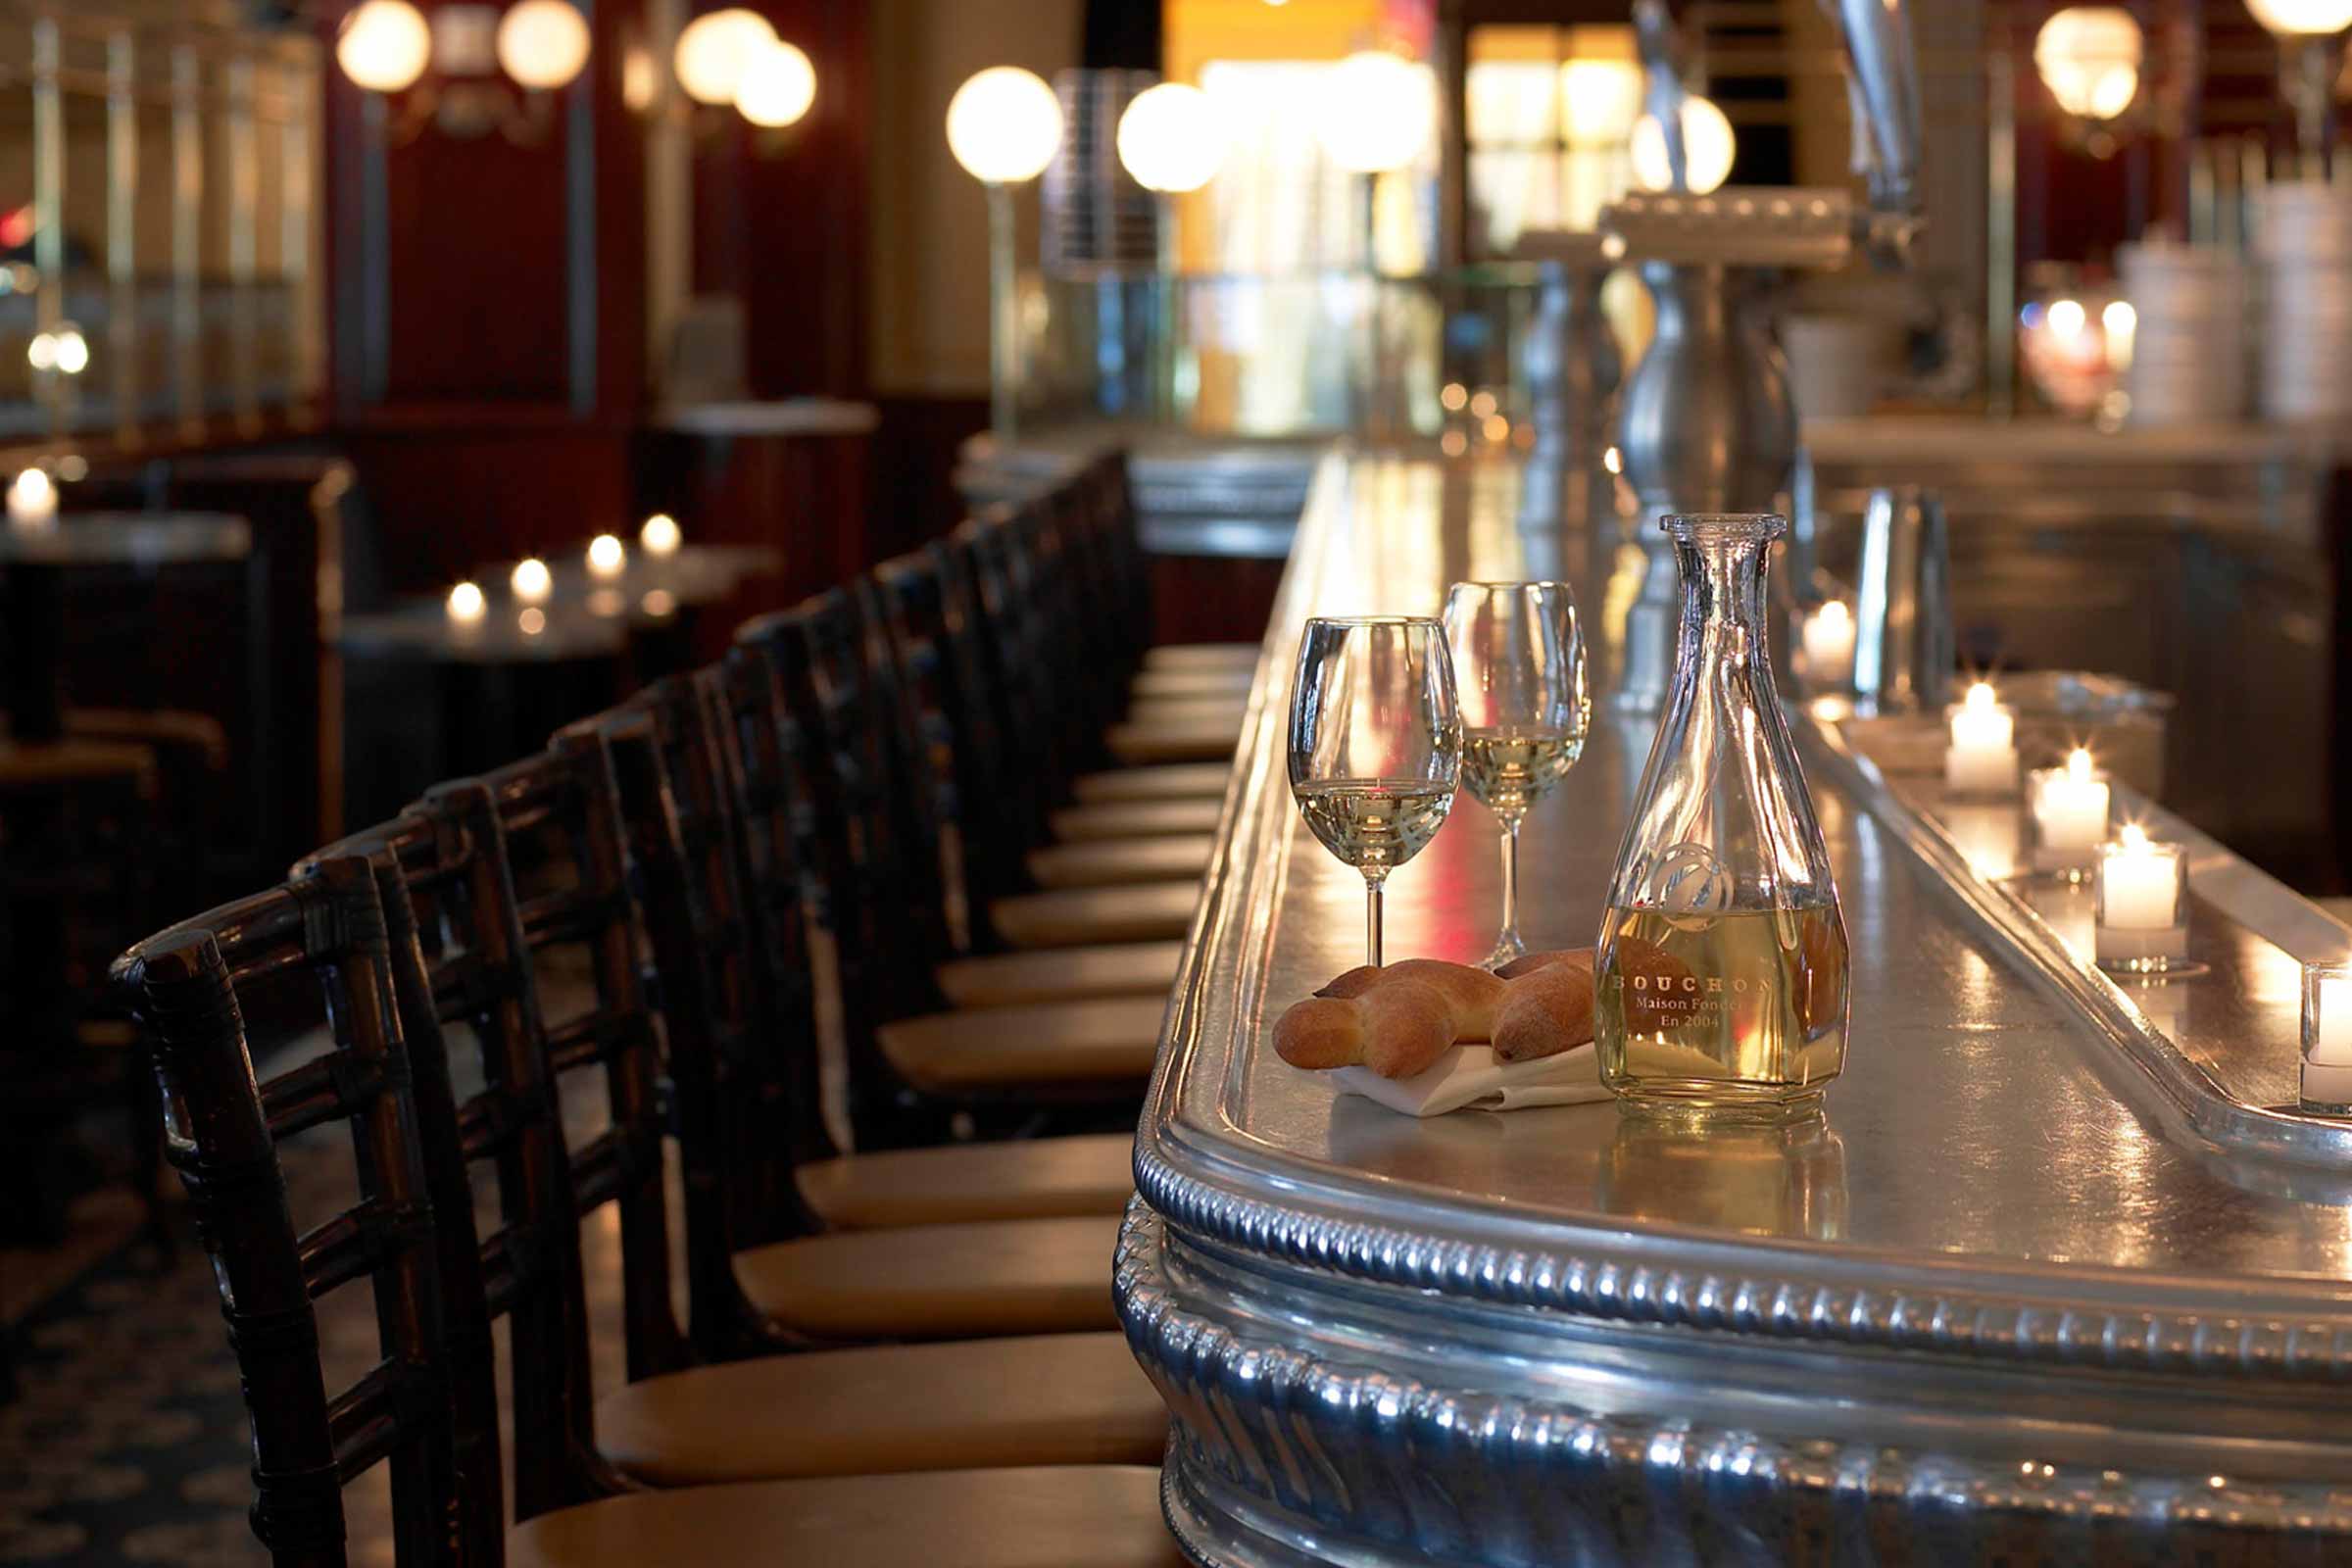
x=1397 y=1020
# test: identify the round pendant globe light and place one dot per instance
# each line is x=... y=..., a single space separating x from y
x=1003 y=125
x=1707 y=149
x=2302 y=18
x=1170 y=139
x=713 y=50
x=2089 y=57
x=777 y=87
x=1378 y=112
x=543 y=44
x=383 y=45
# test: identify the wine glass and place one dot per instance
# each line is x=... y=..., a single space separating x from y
x=1375 y=745
x=1520 y=658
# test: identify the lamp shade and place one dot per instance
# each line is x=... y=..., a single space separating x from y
x=777 y=87
x=2089 y=57
x=1003 y=125
x=385 y=45
x=1169 y=138
x=713 y=50
x=1707 y=149
x=543 y=44
x=2290 y=19
x=1378 y=111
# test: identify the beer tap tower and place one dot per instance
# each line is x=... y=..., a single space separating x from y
x=1705 y=422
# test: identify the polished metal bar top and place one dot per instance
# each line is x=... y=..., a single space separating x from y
x=1995 y=1178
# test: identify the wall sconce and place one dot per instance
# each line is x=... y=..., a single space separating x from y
x=455 y=63
x=1004 y=127
x=734 y=57
x=2311 y=51
x=2089 y=58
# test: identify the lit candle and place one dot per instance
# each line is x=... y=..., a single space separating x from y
x=1982 y=759
x=467 y=606
x=659 y=536
x=32 y=500
x=2137 y=884
x=2142 y=905
x=2327 y=1036
x=1830 y=645
x=607 y=559
x=2071 y=804
x=531 y=580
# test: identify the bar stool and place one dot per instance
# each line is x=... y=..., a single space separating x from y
x=425 y=1409
x=742 y=1033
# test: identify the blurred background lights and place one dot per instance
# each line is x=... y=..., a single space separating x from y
x=542 y=44
x=1599 y=100
x=2302 y=18
x=2089 y=57
x=1378 y=113
x=778 y=85
x=1707 y=149
x=1003 y=125
x=530 y=579
x=713 y=50
x=383 y=45
x=1170 y=138
x=659 y=536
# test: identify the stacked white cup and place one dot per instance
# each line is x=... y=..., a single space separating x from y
x=2304 y=237
x=2189 y=359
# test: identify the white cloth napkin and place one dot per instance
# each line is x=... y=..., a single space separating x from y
x=1469 y=1078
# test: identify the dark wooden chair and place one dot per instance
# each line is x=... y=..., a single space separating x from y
x=422 y=1408
x=910 y=1062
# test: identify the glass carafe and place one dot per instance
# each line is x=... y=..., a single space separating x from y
x=1722 y=971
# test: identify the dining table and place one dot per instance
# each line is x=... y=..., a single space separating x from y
x=2062 y=1273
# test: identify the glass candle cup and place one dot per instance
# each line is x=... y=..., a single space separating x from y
x=2140 y=906
x=2067 y=811
x=2328 y=1039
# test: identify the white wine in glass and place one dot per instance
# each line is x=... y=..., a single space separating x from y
x=1375 y=744
x=1519 y=657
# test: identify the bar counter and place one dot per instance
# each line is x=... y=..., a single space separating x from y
x=2006 y=1302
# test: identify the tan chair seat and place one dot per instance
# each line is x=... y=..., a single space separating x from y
x=1041 y=1044
x=1202 y=656
x=1151 y=684
x=1172 y=781
x=1137 y=819
x=1028 y=1178
x=939 y=1282
x=1062 y=974
x=1077 y=1516
x=1113 y=862
x=1050 y=1398
x=1139 y=744
x=1148 y=912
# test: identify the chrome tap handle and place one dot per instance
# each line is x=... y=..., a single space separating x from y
x=1883 y=86
x=1662 y=90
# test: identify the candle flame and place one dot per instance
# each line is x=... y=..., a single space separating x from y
x=1834 y=611
x=606 y=554
x=661 y=535
x=2077 y=764
x=2134 y=839
x=530 y=579
x=465 y=602
x=1982 y=696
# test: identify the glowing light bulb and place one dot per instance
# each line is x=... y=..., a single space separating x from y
x=1708 y=148
x=383 y=45
x=606 y=557
x=659 y=536
x=1005 y=125
x=467 y=606
x=531 y=580
x=2302 y=18
x=2089 y=57
x=1170 y=138
x=777 y=87
x=542 y=44
x=713 y=50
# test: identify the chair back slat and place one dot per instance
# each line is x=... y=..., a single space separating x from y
x=184 y=987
